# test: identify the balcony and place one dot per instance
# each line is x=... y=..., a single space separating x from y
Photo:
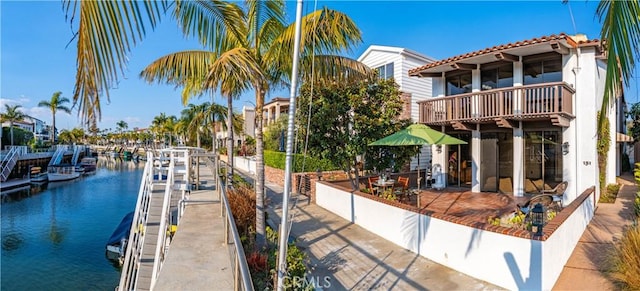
x=548 y=101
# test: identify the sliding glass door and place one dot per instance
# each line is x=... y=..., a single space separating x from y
x=543 y=160
x=496 y=164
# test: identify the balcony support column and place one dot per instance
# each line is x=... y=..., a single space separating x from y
x=476 y=86
x=518 y=161
x=518 y=80
x=476 y=156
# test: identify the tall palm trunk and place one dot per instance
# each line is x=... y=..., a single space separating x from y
x=229 y=139
x=53 y=131
x=214 y=139
x=11 y=131
x=259 y=179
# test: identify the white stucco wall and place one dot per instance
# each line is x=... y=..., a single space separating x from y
x=504 y=260
x=581 y=163
x=247 y=164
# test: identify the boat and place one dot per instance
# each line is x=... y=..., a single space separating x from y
x=79 y=169
x=37 y=176
x=62 y=173
x=117 y=243
x=88 y=164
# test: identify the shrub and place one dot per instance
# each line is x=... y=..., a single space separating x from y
x=626 y=259
x=242 y=201
x=277 y=160
x=610 y=193
x=257 y=262
x=296 y=263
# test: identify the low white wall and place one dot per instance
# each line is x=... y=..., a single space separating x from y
x=504 y=260
x=559 y=246
x=245 y=164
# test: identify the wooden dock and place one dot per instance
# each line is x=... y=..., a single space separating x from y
x=13 y=183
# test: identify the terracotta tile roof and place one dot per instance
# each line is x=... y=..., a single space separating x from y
x=543 y=39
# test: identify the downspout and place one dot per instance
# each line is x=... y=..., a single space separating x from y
x=576 y=71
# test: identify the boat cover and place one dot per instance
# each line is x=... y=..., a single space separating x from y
x=122 y=231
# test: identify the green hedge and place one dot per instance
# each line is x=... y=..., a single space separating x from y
x=277 y=160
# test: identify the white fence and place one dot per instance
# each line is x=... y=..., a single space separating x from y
x=504 y=260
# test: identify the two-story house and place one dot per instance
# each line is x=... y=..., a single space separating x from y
x=528 y=111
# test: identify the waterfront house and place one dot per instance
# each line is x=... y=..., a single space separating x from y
x=528 y=111
x=31 y=124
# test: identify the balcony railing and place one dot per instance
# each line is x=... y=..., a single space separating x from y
x=517 y=103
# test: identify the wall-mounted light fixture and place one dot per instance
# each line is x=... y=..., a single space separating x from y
x=565 y=147
x=439 y=148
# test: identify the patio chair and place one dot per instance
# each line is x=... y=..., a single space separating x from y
x=401 y=188
x=373 y=189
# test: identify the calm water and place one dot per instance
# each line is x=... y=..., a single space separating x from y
x=53 y=236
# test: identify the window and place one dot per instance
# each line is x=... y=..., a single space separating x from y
x=459 y=83
x=500 y=76
x=543 y=71
x=385 y=71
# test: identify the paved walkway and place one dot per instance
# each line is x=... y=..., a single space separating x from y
x=344 y=256
x=586 y=266
x=198 y=257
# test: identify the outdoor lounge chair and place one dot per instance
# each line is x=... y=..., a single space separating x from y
x=550 y=197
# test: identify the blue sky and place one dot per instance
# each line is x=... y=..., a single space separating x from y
x=36 y=61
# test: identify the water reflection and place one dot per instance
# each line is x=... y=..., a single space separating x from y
x=54 y=234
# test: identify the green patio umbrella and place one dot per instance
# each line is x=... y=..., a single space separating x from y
x=417 y=135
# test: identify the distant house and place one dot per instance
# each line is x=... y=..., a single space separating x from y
x=249 y=115
x=273 y=109
x=36 y=126
x=528 y=112
x=394 y=62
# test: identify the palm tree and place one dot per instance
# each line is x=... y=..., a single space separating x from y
x=213 y=114
x=621 y=35
x=122 y=125
x=169 y=126
x=192 y=122
x=12 y=114
x=157 y=125
x=258 y=54
x=56 y=103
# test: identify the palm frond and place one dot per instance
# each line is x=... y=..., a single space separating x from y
x=324 y=32
x=107 y=30
x=233 y=72
x=332 y=68
x=213 y=22
x=264 y=20
x=187 y=69
x=177 y=68
x=621 y=36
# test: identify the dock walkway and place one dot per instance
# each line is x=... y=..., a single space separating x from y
x=198 y=257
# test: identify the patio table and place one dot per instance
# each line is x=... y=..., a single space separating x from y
x=384 y=185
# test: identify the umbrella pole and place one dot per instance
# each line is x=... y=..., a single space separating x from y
x=418 y=168
x=459 y=158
